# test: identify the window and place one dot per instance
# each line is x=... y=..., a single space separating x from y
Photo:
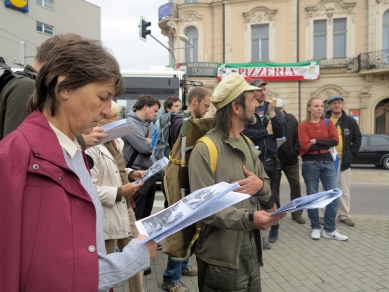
x=340 y=38
x=45 y=28
x=191 y=53
x=385 y=30
x=260 y=42
x=46 y=4
x=319 y=39
x=378 y=141
x=191 y=1
x=363 y=142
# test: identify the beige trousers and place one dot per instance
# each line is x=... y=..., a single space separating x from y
x=136 y=281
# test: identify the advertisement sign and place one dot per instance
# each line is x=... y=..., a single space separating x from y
x=356 y=114
x=200 y=69
x=164 y=11
x=21 y=5
x=273 y=71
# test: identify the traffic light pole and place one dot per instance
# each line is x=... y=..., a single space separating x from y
x=170 y=51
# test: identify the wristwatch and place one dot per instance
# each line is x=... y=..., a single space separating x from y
x=129 y=175
x=251 y=215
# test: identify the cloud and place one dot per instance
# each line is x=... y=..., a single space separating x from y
x=120 y=32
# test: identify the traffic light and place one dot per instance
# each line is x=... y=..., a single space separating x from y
x=143 y=31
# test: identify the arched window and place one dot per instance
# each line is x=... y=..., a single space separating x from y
x=385 y=30
x=192 y=53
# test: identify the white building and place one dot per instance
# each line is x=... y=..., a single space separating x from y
x=21 y=32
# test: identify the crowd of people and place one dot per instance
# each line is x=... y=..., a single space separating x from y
x=69 y=206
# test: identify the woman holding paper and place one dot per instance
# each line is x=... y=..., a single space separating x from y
x=315 y=139
x=111 y=180
x=51 y=215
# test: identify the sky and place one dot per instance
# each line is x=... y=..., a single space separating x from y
x=120 y=33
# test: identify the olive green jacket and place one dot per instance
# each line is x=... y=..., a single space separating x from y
x=222 y=233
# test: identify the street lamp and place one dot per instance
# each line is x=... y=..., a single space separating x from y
x=185 y=39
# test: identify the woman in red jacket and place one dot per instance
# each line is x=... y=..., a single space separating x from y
x=316 y=137
x=51 y=217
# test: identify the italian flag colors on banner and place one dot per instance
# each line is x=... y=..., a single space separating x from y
x=272 y=71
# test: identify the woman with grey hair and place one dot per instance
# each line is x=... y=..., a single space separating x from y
x=52 y=219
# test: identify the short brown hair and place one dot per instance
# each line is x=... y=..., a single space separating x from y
x=83 y=61
x=198 y=92
x=45 y=48
x=145 y=100
x=170 y=101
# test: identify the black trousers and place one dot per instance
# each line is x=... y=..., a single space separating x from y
x=272 y=169
x=292 y=173
x=144 y=199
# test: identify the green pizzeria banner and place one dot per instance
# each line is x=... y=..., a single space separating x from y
x=272 y=71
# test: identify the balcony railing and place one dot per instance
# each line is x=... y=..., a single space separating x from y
x=373 y=60
x=335 y=62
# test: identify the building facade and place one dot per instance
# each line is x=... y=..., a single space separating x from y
x=350 y=38
x=25 y=24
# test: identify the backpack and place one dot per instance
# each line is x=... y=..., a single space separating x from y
x=164 y=138
x=179 y=245
x=6 y=75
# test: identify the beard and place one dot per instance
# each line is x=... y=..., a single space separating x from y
x=249 y=120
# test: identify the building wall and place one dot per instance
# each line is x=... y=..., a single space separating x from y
x=291 y=40
x=75 y=16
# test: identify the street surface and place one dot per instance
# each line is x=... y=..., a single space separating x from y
x=297 y=263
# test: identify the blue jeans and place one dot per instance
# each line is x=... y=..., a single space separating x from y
x=325 y=171
x=173 y=271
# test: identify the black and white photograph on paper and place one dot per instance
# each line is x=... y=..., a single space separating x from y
x=154 y=169
x=193 y=208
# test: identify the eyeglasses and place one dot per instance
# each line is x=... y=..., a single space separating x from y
x=206 y=105
x=337 y=102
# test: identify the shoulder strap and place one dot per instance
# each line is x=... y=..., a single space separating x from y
x=326 y=121
x=213 y=154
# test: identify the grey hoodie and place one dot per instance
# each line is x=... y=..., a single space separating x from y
x=137 y=140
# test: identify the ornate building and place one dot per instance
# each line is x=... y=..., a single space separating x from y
x=350 y=38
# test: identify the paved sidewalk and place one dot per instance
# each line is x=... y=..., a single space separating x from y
x=298 y=263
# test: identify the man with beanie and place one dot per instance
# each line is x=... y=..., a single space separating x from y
x=228 y=251
x=269 y=126
x=349 y=143
x=288 y=154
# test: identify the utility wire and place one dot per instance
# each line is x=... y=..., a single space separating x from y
x=16 y=42
x=18 y=36
x=33 y=18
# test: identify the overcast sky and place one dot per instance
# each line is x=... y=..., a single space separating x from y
x=120 y=32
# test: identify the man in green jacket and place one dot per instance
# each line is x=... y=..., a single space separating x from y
x=229 y=252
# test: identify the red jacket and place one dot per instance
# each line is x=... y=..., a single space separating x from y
x=48 y=220
x=319 y=131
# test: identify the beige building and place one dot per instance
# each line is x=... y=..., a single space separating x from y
x=350 y=38
x=22 y=32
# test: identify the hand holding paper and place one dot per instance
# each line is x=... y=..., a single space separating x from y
x=319 y=200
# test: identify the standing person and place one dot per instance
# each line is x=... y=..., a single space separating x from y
x=137 y=151
x=172 y=104
x=111 y=179
x=199 y=100
x=137 y=147
x=315 y=139
x=349 y=143
x=264 y=133
x=228 y=251
x=53 y=221
x=288 y=154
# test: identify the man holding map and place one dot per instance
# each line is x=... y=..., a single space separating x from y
x=228 y=252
